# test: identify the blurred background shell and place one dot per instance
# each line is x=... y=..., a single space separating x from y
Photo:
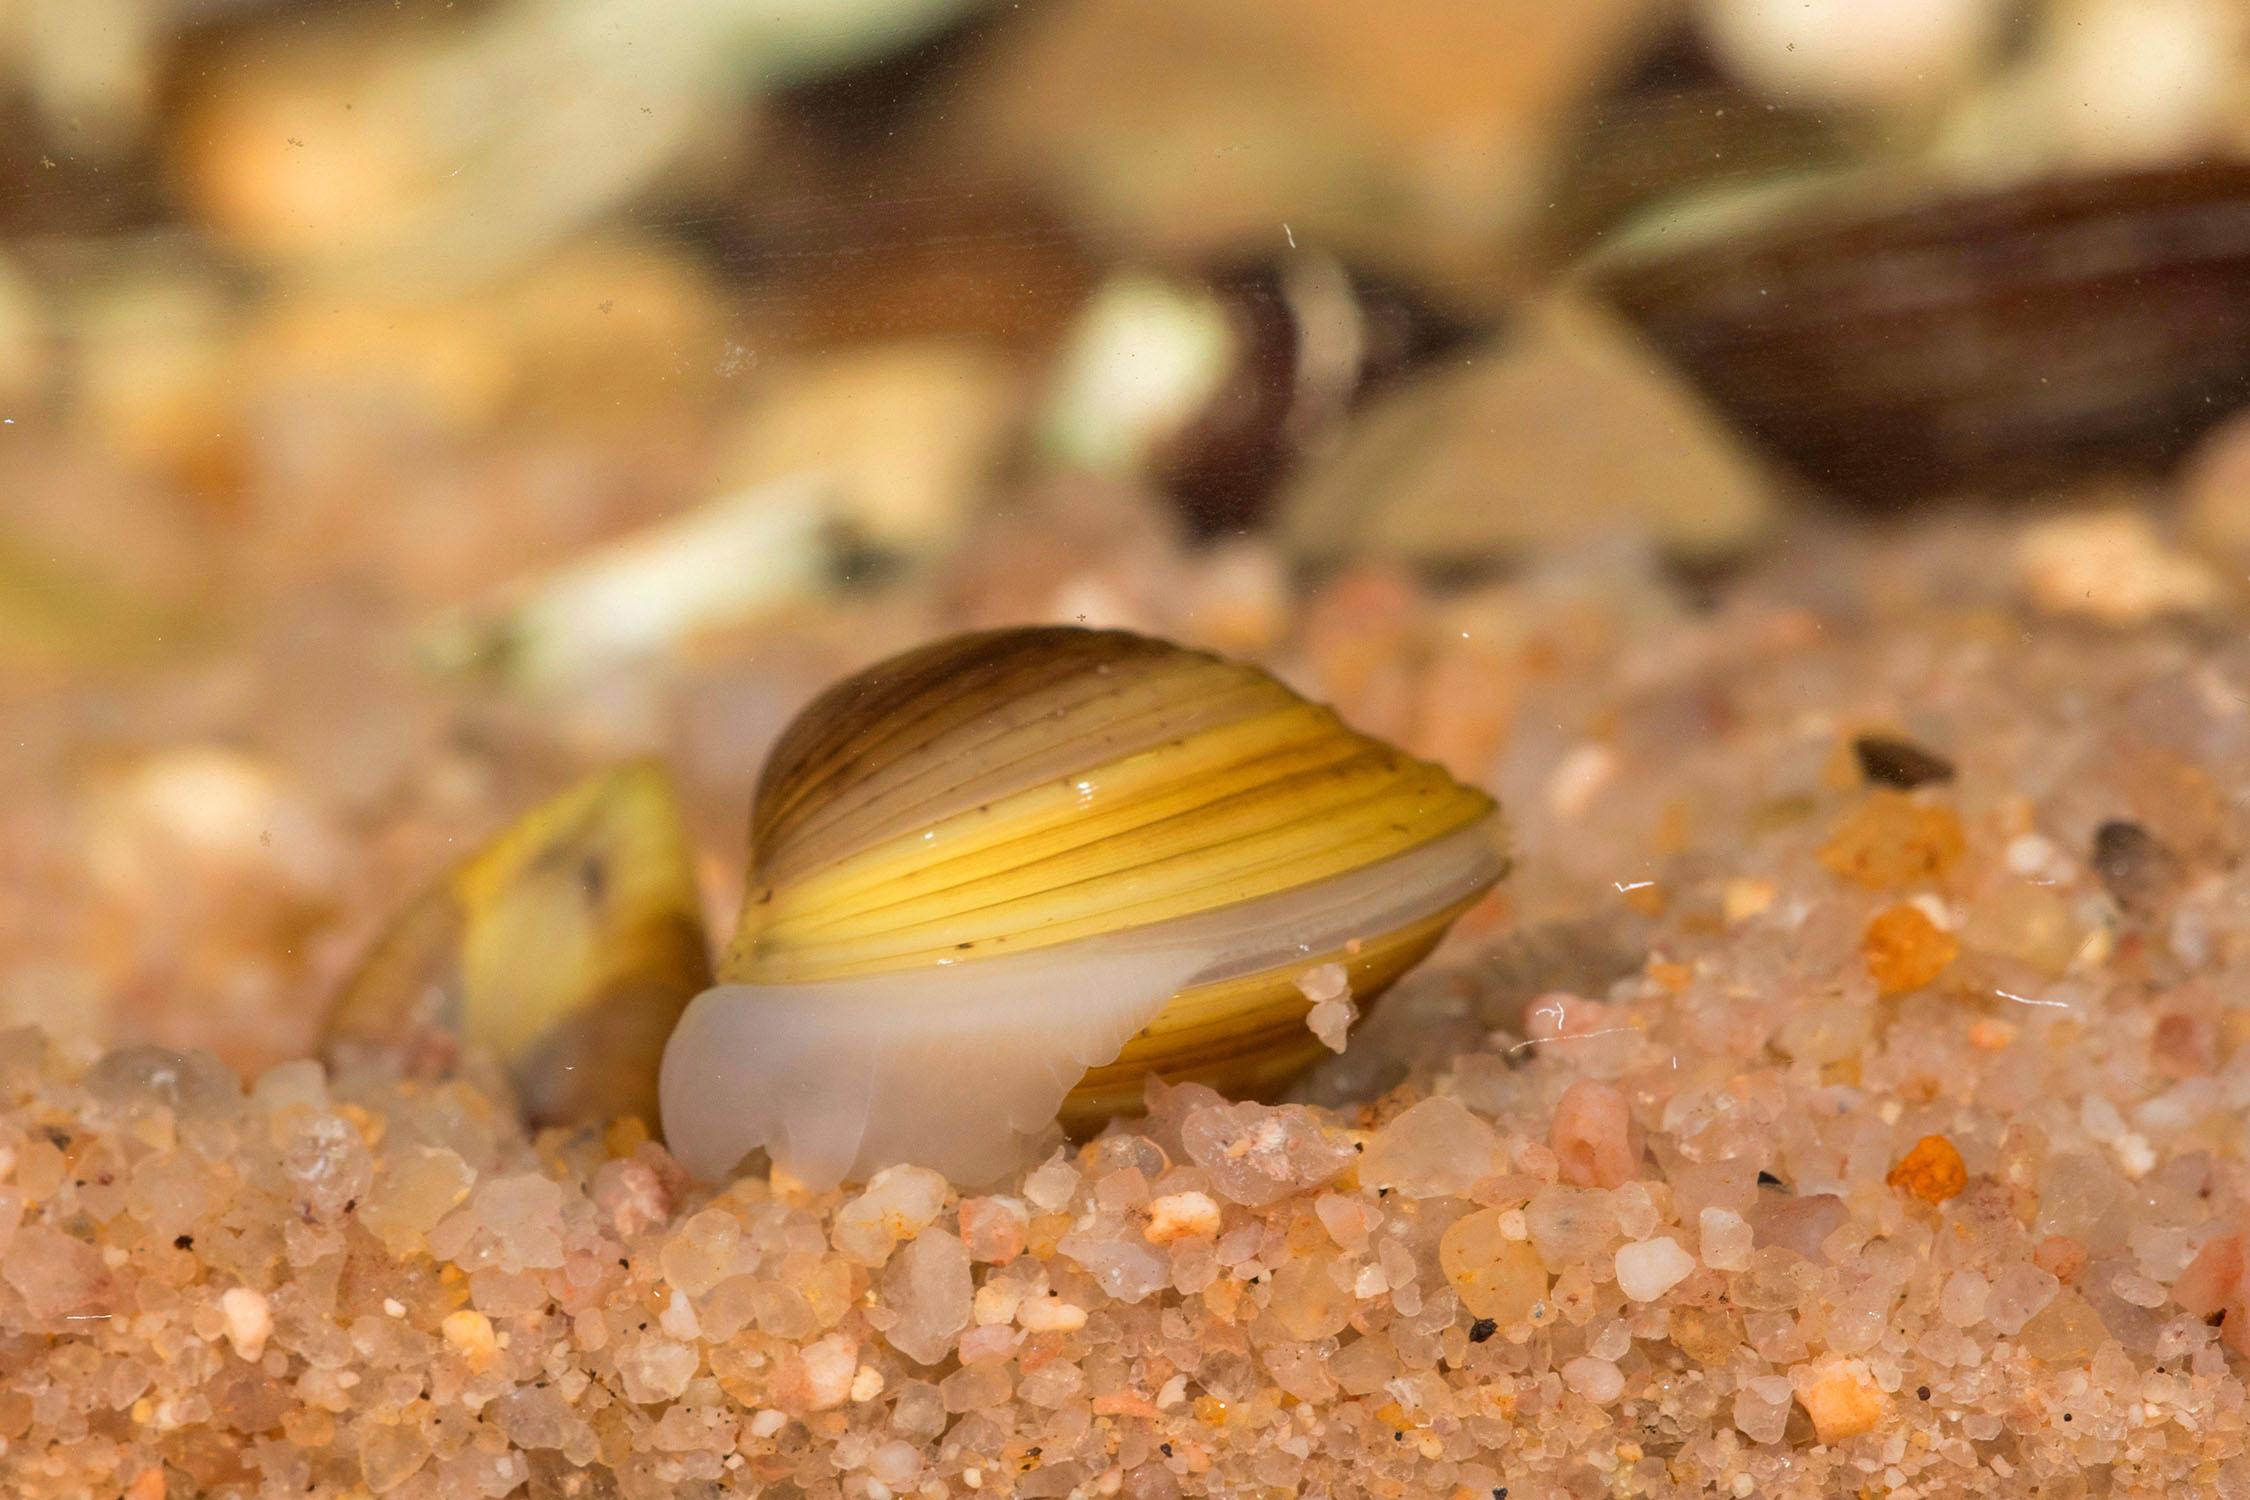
x=1022 y=789
x=1893 y=338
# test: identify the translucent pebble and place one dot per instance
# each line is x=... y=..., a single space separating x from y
x=2018 y=1293
x=300 y=1081
x=2067 y=1331
x=1122 y=1261
x=1761 y=1408
x=1299 y=1370
x=1257 y=1155
x=818 y=1376
x=1308 y=1303
x=1239 y=1244
x=390 y=1454
x=929 y=1286
x=995 y=1229
x=1195 y=1265
x=1495 y=1277
x=2075 y=1191
x=996 y=1301
x=1822 y=1033
x=40 y=1168
x=975 y=1387
x=1570 y=1225
x=678 y=1319
x=2100 y=1118
x=630 y=1196
x=702 y=1252
x=1857 y=1319
x=655 y=1369
x=2163 y=1251
x=1610 y=1340
x=1591 y=1136
x=514 y=1222
x=896 y=1205
x=1121 y=1191
x=1331 y=1022
x=1322 y=982
x=897 y=1464
x=533 y=1416
x=1776 y=1280
x=2060 y=1256
x=1726 y=1239
x=477 y=1474
x=1365 y=1365
x=1597 y=1380
x=1109 y=1155
x=1436 y=1148
x=917 y=1410
x=327 y=1164
x=54 y=1273
x=1052 y=1185
x=506 y=1294
x=1650 y=1268
x=1637 y=1213
x=988 y=1342
x=1050 y=1385
x=2026 y=922
x=1150 y=1481
x=1397 y=1262
x=1798 y=1222
x=783 y=1311
x=169 y=1193
x=728 y=1308
x=1349 y=1221
x=193 y=1085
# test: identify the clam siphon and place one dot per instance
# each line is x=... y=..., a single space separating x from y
x=1010 y=874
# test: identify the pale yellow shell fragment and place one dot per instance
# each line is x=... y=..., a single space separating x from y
x=567 y=946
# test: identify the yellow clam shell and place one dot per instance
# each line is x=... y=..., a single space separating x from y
x=567 y=946
x=1047 y=807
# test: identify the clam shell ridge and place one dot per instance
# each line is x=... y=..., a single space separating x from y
x=1016 y=871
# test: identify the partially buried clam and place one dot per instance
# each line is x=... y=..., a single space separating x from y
x=1013 y=873
x=992 y=881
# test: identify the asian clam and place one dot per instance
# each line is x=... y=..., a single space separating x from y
x=992 y=881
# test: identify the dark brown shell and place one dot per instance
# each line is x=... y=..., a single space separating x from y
x=1999 y=339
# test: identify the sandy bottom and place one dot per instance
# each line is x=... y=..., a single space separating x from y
x=1845 y=1098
